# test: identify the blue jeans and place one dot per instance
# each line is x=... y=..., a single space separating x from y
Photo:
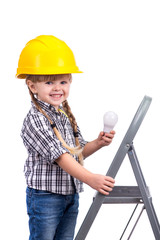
x=51 y=216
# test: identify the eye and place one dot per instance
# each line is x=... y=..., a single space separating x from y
x=63 y=82
x=49 y=83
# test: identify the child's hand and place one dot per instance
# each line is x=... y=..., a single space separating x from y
x=104 y=139
x=101 y=183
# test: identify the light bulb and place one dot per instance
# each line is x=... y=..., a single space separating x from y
x=110 y=119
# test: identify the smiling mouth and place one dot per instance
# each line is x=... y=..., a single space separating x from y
x=56 y=96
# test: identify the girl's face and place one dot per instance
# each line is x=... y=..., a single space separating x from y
x=52 y=92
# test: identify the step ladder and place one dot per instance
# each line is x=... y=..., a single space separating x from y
x=126 y=194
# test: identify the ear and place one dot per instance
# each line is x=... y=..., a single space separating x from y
x=31 y=86
x=70 y=78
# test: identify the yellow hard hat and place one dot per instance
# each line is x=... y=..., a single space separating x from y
x=46 y=55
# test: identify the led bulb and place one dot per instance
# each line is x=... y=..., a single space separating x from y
x=110 y=119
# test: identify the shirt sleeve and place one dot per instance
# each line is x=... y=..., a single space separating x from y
x=38 y=137
x=81 y=139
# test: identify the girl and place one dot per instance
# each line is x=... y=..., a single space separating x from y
x=56 y=148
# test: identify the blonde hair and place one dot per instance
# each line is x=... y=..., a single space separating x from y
x=73 y=150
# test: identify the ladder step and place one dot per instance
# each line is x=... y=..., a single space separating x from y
x=124 y=194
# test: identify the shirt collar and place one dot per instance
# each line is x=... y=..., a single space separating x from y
x=46 y=106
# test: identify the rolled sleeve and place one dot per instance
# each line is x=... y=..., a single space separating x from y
x=81 y=139
x=43 y=141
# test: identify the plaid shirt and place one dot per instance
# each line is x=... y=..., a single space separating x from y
x=41 y=170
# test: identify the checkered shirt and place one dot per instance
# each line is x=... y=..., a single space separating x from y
x=43 y=147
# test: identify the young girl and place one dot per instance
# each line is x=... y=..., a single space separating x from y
x=54 y=168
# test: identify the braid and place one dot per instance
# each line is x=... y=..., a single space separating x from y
x=70 y=115
x=73 y=122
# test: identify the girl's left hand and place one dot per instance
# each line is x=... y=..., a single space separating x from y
x=104 y=139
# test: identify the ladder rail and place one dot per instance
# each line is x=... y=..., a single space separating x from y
x=145 y=194
x=129 y=221
x=136 y=223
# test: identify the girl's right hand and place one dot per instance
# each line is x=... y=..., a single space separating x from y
x=101 y=183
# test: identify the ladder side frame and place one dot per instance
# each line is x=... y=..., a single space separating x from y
x=147 y=199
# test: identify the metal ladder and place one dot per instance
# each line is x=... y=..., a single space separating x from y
x=137 y=194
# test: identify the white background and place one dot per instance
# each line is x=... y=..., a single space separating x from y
x=117 y=45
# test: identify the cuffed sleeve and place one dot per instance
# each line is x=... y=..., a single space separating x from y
x=39 y=138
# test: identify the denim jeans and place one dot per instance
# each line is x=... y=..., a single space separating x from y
x=51 y=216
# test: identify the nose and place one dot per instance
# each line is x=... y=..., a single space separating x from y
x=56 y=86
